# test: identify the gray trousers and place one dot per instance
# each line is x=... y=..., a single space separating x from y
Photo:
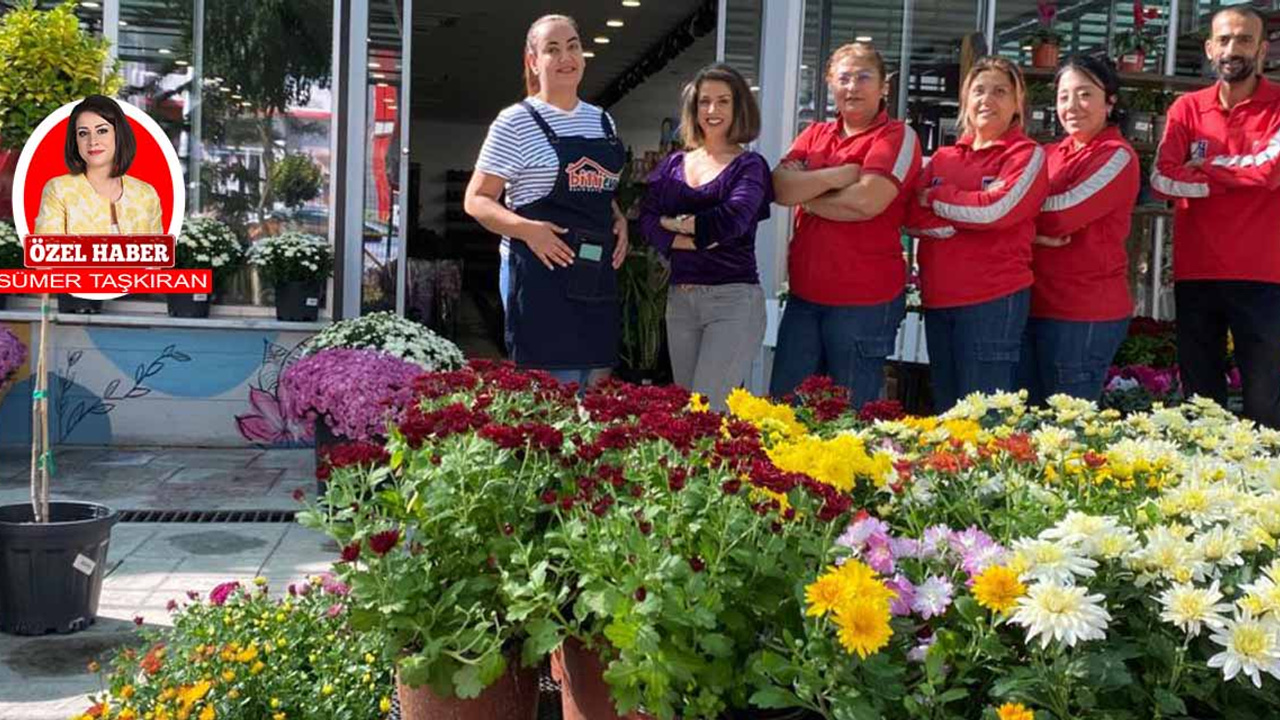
x=714 y=332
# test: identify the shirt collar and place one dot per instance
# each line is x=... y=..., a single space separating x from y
x=1067 y=146
x=881 y=118
x=1013 y=134
x=1265 y=92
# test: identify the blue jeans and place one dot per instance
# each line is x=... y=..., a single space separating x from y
x=1071 y=358
x=585 y=377
x=848 y=343
x=975 y=348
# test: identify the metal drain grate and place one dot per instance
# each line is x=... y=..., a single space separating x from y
x=206 y=516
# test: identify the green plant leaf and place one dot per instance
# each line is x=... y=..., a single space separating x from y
x=773 y=698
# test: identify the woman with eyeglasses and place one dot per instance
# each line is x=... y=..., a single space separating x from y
x=850 y=180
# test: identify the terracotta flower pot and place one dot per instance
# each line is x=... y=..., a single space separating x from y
x=1044 y=55
x=513 y=697
x=584 y=695
x=1132 y=62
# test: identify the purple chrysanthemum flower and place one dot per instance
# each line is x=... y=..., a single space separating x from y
x=933 y=597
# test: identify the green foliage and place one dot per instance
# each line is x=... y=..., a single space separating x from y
x=295 y=179
x=48 y=60
x=252 y=657
x=1129 y=42
x=642 y=286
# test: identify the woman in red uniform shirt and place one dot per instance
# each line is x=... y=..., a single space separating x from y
x=851 y=178
x=1080 y=303
x=976 y=274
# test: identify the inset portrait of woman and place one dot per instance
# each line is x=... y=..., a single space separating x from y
x=97 y=196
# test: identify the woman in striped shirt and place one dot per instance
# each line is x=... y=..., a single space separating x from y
x=558 y=160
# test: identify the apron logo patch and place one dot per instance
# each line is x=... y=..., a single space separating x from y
x=587 y=175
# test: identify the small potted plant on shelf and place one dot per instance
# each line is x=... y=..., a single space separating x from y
x=10 y=253
x=1131 y=50
x=205 y=243
x=1044 y=41
x=297 y=264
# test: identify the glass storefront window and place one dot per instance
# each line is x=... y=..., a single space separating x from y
x=381 y=241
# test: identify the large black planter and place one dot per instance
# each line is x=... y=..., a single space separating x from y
x=298 y=300
x=186 y=305
x=51 y=574
x=78 y=306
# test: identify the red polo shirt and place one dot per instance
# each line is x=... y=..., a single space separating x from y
x=991 y=197
x=860 y=262
x=1092 y=191
x=1225 y=220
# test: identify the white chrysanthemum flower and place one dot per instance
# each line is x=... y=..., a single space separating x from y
x=1221 y=545
x=1052 y=440
x=1068 y=409
x=1113 y=544
x=1169 y=554
x=1078 y=527
x=1261 y=597
x=1061 y=613
x=1250 y=646
x=1053 y=562
x=1191 y=608
x=1008 y=400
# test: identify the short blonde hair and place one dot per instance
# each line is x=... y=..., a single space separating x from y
x=993 y=64
x=531 y=84
x=863 y=51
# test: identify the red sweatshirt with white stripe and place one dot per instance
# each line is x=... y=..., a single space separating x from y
x=991 y=198
x=1092 y=191
x=1222 y=169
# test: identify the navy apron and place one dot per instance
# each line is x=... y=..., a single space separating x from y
x=569 y=318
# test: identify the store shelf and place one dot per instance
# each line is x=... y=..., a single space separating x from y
x=1133 y=80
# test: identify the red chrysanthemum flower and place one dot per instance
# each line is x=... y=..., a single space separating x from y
x=383 y=542
x=351 y=553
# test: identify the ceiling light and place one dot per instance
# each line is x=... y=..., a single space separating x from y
x=123 y=23
x=90 y=5
x=166 y=51
x=246 y=104
x=862 y=38
x=588 y=54
x=379 y=76
x=614 y=23
x=181 y=63
x=237 y=97
x=374 y=64
x=1026 y=47
x=602 y=40
x=755 y=88
x=630 y=3
x=804 y=67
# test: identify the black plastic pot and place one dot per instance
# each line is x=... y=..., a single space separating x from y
x=51 y=574
x=298 y=300
x=186 y=305
x=78 y=306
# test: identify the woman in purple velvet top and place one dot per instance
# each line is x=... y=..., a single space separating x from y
x=701 y=212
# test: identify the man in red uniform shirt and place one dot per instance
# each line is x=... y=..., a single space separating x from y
x=1220 y=162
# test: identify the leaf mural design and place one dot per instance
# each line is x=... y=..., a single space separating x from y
x=268 y=424
x=68 y=420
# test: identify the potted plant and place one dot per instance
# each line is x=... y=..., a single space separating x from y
x=386 y=332
x=295 y=179
x=52 y=554
x=1042 y=106
x=348 y=394
x=205 y=243
x=642 y=290
x=51 y=61
x=1044 y=41
x=1131 y=50
x=10 y=253
x=297 y=264
x=444 y=546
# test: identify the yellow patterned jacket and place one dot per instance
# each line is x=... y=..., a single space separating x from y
x=69 y=204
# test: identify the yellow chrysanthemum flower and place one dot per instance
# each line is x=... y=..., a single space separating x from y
x=208 y=713
x=1015 y=711
x=863 y=626
x=997 y=588
x=825 y=594
x=698 y=403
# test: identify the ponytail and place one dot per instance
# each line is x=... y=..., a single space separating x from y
x=532 y=86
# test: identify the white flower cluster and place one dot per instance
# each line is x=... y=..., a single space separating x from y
x=208 y=243
x=292 y=256
x=8 y=235
x=391 y=334
x=10 y=247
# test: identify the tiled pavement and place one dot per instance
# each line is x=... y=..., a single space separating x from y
x=150 y=563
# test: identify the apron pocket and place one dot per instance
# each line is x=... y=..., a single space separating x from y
x=591 y=277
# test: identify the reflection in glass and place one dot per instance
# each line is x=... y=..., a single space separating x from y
x=381 y=247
